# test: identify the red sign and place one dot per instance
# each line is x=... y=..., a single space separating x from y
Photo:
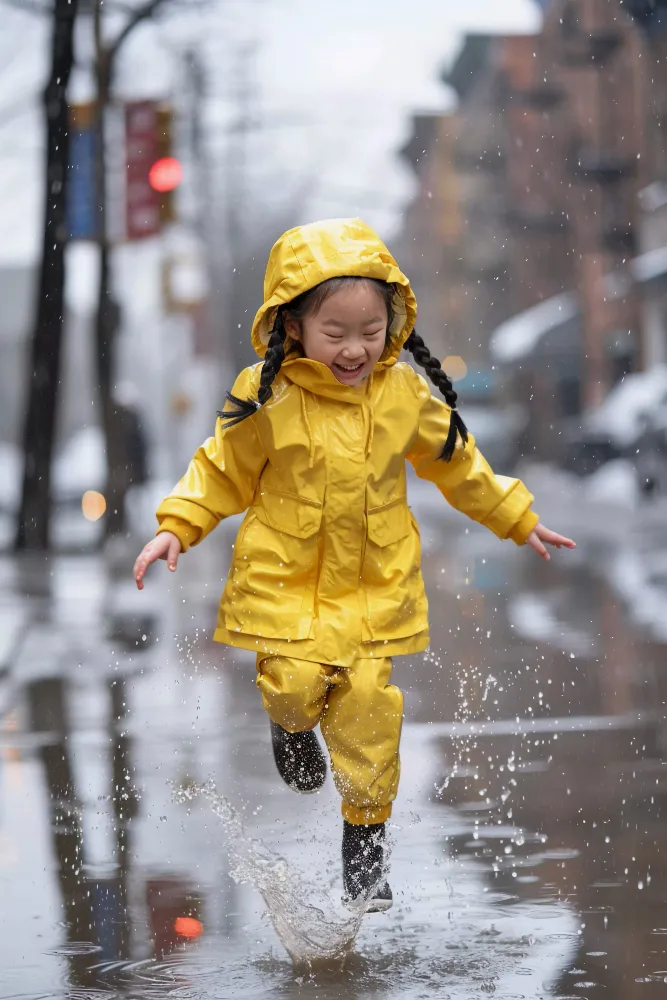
x=142 y=217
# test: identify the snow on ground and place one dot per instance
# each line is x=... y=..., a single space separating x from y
x=534 y=615
x=621 y=416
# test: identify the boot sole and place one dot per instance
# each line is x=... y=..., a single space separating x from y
x=372 y=905
x=379 y=905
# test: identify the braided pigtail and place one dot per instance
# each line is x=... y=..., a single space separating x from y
x=273 y=359
x=423 y=357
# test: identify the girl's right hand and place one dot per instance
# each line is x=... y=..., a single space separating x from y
x=166 y=545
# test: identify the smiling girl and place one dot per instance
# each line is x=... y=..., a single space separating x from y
x=325 y=583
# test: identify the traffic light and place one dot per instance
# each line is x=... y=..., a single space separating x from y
x=166 y=172
x=165 y=175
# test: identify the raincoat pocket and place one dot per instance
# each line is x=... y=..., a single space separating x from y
x=288 y=512
x=271 y=586
x=389 y=523
x=390 y=574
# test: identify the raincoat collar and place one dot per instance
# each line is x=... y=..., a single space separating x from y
x=317 y=378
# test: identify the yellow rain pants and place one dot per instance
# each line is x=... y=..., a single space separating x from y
x=360 y=715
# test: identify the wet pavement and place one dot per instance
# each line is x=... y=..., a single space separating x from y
x=148 y=848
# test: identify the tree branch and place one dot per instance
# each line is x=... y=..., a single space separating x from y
x=138 y=15
x=46 y=8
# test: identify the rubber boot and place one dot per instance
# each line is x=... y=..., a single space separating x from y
x=364 y=866
x=299 y=758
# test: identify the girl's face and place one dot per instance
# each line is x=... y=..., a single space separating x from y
x=347 y=333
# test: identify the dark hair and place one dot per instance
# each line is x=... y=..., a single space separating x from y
x=310 y=302
x=273 y=359
x=306 y=304
x=423 y=357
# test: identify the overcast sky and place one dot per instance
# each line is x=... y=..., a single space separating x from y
x=332 y=85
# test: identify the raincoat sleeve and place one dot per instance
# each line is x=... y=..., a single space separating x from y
x=221 y=478
x=467 y=482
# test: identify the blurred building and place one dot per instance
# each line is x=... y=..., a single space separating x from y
x=552 y=177
x=432 y=247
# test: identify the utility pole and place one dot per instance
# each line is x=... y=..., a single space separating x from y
x=201 y=196
x=107 y=317
x=39 y=428
x=196 y=76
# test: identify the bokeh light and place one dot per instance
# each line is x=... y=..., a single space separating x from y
x=455 y=367
x=93 y=505
x=165 y=174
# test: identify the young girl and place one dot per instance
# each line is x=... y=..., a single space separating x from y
x=325 y=583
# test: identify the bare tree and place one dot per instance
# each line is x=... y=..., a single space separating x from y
x=39 y=428
x=40 y=423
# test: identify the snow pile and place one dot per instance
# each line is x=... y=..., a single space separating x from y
x=621 y=416
x=641 y=580
x=614 y=483
x=520 y=335
x=650 y=265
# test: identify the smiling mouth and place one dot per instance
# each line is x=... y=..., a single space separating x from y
x=349 y=369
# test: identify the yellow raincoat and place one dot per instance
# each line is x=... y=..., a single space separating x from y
x=326 y=565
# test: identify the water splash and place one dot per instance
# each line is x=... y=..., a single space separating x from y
x=303 y=915
x=489 y=683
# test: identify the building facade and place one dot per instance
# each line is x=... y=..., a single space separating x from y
x=544 y=174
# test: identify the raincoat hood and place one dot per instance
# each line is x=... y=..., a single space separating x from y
x=335 y=248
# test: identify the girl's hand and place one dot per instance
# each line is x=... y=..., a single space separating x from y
x=164 y=546
x=540 y=534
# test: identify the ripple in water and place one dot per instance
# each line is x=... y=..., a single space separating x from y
x=303 y=916
x=74 y=948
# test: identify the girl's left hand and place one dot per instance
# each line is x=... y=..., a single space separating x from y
x=540 y=535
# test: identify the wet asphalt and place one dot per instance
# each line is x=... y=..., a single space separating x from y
x=527 y=839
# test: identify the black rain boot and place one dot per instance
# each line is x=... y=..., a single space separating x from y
x=299 y=759
x=364 y=866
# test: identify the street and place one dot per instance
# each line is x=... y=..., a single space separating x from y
x=148 y=847
x=471 y=193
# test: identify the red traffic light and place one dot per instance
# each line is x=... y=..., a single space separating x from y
x=165 y=174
